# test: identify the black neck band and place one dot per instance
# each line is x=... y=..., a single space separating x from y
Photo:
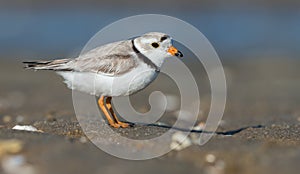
x=144 y=58
x=133 y=47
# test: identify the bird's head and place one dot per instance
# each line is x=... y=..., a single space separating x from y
x=156 y=46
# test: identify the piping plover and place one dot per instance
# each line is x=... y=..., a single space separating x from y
x=115 y=69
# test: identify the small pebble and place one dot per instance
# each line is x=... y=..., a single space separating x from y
x=11 y=146
x=180 y=141
x=220 y=164
x=83 y=140
x=200 y=126
x=19 y=119
x=26 y=128
x=6 y=119
x=210 y=158
x=17 y=164
x=273 y=125
x=50 y=118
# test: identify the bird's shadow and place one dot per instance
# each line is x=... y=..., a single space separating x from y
x=229 y=132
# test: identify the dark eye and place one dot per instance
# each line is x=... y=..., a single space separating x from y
x=155 y=45
x=163 y=38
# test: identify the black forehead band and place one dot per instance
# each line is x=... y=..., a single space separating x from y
x=163 y=38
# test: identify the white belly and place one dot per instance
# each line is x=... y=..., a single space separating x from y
x=101 y=85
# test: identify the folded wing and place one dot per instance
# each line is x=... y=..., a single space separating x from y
x=112 y=60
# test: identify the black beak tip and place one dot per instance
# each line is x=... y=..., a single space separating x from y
x=179 y=54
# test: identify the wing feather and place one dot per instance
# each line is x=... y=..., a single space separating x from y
x=112 y=65
x=112 y=59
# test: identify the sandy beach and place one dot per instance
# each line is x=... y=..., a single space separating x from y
x=260 y=94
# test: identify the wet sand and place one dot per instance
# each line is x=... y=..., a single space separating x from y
x=260 y=92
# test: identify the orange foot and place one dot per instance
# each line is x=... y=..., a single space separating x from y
x=119 y=124
x=123 y=125
x=114 y=125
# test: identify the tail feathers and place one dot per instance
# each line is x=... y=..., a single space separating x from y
x=56 y=65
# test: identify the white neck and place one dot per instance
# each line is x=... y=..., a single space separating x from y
x=156 y=57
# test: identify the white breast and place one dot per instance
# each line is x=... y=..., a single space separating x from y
x=101 y=85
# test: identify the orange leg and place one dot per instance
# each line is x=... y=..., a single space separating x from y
x=110 y=120
x=109 y=107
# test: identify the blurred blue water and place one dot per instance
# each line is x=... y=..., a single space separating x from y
x=64 y=32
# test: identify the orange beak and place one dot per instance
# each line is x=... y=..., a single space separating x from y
x=174 y=52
